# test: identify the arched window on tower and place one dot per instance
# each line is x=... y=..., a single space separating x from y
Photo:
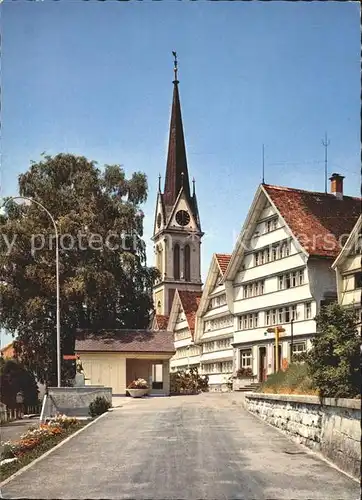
x=187 y=265
x=159 y=259
x=176 y=261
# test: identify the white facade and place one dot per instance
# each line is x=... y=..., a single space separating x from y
x=273 y=282
x=348 y=271
x=214 y=331
x=187 y=352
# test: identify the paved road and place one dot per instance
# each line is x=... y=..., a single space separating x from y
x=192 y=447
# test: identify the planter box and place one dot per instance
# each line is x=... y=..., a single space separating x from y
x=137 y=393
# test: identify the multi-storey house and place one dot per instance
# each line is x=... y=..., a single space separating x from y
x=348 y=271
x=182 y=324
x=215 y=327
x=280 y=270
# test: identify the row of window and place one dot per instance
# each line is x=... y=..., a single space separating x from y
x=185 y=352
x=274 y=252
x=182 y=334
x=217 y=345
x=217 y=301
x=224 y=367
x=285 y=281
x=281 y=315
x=253 y=289
x=352 y=281
x=290 y=280
x=271 y=225
x=218 y=323
x=274 y=316
x=246 y=356
x=248 y=321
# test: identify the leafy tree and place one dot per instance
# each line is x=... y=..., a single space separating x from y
x=334 y=360
x=15 y=378
x=105 y=282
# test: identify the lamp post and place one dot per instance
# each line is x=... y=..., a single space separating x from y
x=13 y=198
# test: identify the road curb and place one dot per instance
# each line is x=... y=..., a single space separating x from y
x=47 y=453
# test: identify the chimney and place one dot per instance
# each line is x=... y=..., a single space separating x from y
x=337 y=185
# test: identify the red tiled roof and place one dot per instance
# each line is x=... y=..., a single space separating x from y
x=124 y=341
x=190 y=302
x=223 y=260
x=319 y=221
x=162 y=321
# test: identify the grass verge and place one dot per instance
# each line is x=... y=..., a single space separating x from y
x=294 y=380
x=6 y=470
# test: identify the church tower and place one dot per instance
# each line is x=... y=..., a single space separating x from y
x=177 y=230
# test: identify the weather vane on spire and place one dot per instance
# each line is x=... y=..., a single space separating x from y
x=175 y=64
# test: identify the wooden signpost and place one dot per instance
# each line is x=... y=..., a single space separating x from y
x=277 y=330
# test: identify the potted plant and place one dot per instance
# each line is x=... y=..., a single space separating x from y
x=138 y=388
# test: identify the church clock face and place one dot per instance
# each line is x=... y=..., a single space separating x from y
x=159 y=220
x=182 y=217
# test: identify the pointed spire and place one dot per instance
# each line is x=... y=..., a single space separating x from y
x=193 y=187
x=159 y=183
x=176 y=158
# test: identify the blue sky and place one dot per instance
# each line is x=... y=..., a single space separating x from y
x=95 y=78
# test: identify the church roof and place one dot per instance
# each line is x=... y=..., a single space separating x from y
x=317 y=220
x=176 y=169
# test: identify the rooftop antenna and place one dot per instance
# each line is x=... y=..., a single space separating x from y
x=326 y=142
x=263 y=172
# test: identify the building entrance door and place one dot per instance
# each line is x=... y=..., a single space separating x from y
x=262 y=364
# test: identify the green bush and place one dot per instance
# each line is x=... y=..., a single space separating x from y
x=98 y=406
x=188 y=382
x=334 y=360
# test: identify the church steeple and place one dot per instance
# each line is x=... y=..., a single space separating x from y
x=177 y=231
x=176 y=168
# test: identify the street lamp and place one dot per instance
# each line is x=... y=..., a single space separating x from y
x=13 y=198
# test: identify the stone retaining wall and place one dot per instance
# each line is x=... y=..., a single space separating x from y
x=332 y=427
x=72 y=401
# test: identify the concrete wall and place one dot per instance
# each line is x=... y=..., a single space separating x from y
x=332 y=428
x=72 y=401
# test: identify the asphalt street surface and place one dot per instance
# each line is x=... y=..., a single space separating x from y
x=186 y=447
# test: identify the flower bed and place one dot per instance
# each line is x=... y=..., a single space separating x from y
x=36 y=441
